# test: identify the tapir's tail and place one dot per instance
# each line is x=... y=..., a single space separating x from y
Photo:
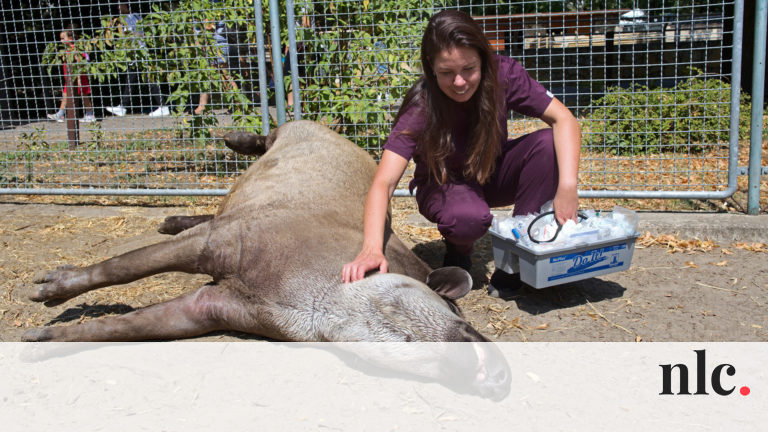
x=248 y=143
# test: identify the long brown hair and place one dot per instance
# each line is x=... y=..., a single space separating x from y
x=446 y=30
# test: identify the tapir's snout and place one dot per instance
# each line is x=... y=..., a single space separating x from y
x=494 y=379
x=476 y=367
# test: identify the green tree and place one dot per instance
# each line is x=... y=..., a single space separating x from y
x=171 y=46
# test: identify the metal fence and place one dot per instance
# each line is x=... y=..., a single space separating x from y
x=655 y=87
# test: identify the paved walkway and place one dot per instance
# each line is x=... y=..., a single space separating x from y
x=10 y=138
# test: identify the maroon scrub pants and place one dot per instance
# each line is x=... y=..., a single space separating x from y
x=526 y=176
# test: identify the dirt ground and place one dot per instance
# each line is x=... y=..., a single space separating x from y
x=703 y=292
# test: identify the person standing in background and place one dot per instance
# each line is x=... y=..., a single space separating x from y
x=128 y=28
x=81 y=84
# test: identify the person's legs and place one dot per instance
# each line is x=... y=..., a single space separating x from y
x=461 y=214
x=84 y=90
x=201 y=104
x=126 y=93
x=156 y=95
x=131 y=81
x=157 y=101
x=526 y=176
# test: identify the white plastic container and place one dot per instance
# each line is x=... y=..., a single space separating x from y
x=559 y=266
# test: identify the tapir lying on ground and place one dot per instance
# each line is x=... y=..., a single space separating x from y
x=275 y=250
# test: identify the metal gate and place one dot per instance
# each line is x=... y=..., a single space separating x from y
x=656 y=88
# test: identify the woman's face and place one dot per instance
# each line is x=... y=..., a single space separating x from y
x=458 y=71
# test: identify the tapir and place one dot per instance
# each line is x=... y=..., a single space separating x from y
x=275 y=250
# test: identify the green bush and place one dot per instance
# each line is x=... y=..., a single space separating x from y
x=693 y=115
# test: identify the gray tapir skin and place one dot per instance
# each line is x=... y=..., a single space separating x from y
x=275 y=250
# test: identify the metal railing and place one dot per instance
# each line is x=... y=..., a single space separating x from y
x=656 y=88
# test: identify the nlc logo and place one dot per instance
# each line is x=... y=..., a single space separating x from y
x=700 y=370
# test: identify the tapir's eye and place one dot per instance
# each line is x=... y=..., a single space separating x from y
x=454 y=307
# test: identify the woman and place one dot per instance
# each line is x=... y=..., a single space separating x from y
x=453 y=123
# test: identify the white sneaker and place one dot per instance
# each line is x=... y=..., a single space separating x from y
x=116 y=110
x=163 y=111
x=88 y=118
x=57 y=117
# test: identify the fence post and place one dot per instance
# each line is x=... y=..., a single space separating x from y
x=294 y=58
x=73 y=131
x=756 y=132
x=277 y=62
x=263 y=78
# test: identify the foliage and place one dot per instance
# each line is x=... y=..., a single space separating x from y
x=368 y=60
x=694 y=114
x=33 y=143
x=170 y=46
x=357 y=61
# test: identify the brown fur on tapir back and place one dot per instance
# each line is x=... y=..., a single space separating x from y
x=330 y=191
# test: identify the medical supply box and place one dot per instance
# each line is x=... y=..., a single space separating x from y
x=541 y=269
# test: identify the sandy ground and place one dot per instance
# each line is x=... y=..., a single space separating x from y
x=704 y=292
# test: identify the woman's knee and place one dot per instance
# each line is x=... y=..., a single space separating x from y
x=460 y=210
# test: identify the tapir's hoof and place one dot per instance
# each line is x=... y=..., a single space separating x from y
x=51 y=287
x=247 y=143
x=36 y=335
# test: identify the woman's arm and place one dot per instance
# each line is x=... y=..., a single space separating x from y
x=567 y=135
x=388 y=174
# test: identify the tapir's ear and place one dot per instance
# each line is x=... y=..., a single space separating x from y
x=451 y=282
x=248 y=143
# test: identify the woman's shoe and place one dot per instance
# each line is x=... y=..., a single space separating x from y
x=503 y=284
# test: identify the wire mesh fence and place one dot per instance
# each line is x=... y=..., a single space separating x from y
x=153 y=85
x=654 y=84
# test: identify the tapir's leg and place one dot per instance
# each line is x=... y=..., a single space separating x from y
x=210 y=308
x=181 y=253
x=176 y=224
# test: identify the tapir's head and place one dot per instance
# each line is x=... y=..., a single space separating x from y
x=402 y=309
x=399 y=308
